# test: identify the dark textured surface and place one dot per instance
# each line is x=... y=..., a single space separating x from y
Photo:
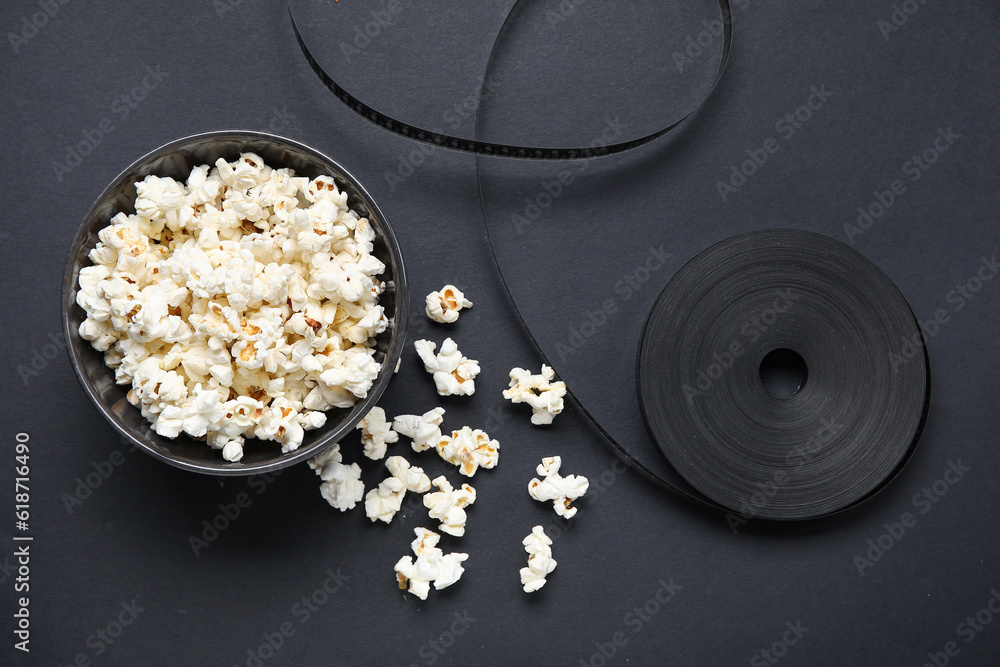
x=235 y=65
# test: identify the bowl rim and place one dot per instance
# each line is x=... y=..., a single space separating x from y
x=393 y=352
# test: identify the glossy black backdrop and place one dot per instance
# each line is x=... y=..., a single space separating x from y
x=220 y=65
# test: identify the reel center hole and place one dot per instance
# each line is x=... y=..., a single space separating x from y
x=783 y=373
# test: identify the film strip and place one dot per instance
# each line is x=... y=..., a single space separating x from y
x=441 y=140
x=826 y=464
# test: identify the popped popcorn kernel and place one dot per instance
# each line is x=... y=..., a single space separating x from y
x=539 y=391
x=454 y=374
x=448 y=504
x=540 y=561
x=432 y=565
x=560 y=490
x=444 y=305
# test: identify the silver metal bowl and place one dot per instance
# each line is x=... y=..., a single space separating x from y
x=176 y=159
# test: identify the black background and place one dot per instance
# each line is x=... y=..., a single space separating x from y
x=236 y=65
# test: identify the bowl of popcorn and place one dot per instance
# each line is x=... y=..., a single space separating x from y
x=234 y=302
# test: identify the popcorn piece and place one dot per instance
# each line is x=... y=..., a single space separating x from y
x=233 y=450
x=539 y=391
x=560 y=490
x=425 y=430
x=241 y=303
x=443 y=306
x=412 y=477
x=540 y=562
x=376 y=433
x=469 y=450
x=342 y=486
x=382 y=502
x=431 y=566
x=453 y=373
x=448 y=505
x=327 y=456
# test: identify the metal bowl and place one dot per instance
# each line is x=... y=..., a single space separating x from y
x=176 y=159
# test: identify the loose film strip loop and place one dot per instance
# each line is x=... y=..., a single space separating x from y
x=808 y=474
x=493 y=149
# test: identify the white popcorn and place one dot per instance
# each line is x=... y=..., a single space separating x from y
x=342 y=486
x=240 y=303
x=448 y=505
x=540 y=562
x=382 y=502
x=326 y=456
x=443 y=306
x=376 y=433
x=539 y=391
x=412 y=477
x=424 y=430
x=233 y=450
x=453 y=373
x=560 y=490
x=156 y=197
x=356 y=374
x=431 y=566
x=469 y=450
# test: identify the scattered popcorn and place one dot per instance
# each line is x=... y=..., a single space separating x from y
x=540 y=562
x=539 y=391
x=424 y=430
x=382 y=502
x=453 y=373
x=560 y=490
x=432 y=565
x=342 y=486
x=443 y=306
x=242 y=303
x=376 y=433
x=448 y=505
x=469 y=450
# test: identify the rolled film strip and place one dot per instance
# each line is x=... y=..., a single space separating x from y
x=857 y=378
x=808 y=457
